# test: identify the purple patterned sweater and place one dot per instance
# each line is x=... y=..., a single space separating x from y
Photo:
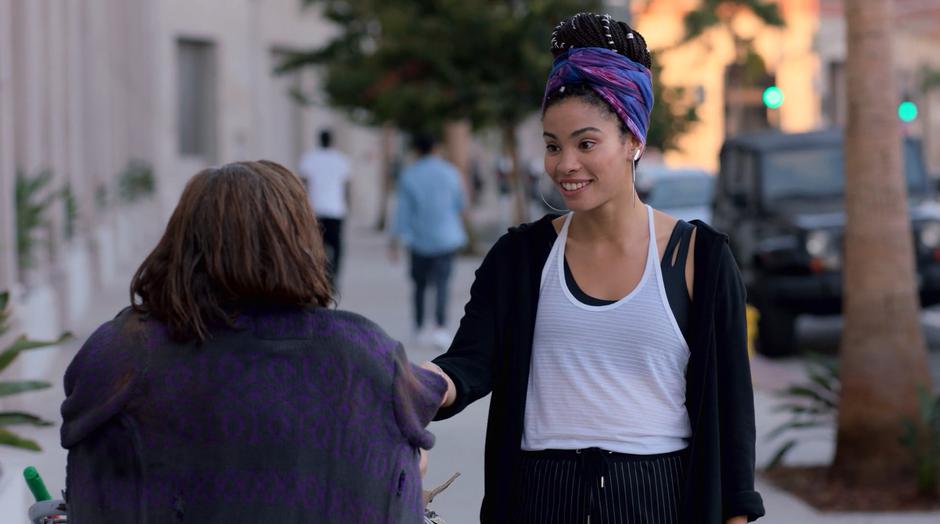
x=311 y=415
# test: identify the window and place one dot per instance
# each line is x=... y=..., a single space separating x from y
x=817 y=172
x=284 y=121
x=835 y=104
x=738 y=167
x=196 y=98
x=744 y=105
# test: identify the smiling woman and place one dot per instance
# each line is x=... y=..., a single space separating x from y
x=612 y=338
x=584 y=147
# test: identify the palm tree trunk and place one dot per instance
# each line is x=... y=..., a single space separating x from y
x=386 y=163
x=457 y=138
x=520 y=201
x=883 y=355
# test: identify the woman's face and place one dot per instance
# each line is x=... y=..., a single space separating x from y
x=585 y=154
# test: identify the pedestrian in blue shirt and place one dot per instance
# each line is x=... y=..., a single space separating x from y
x=429 y=222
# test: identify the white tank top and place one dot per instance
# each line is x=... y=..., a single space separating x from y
x=611 y=376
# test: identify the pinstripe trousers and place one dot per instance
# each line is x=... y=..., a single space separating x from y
x=594 y=486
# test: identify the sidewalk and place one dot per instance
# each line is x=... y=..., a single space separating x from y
x=380 y=290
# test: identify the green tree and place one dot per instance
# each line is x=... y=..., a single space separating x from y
x=673 y=113
x=715 y=13
x=408 y=63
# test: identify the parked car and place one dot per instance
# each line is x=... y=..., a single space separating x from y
x=780 y=199
x=683 y=193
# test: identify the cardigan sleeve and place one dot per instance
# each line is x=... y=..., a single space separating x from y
x=735 y=395
x=418 y=393
x=100 y=380
x=469 y=361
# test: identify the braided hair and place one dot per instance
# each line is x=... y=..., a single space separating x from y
x=594 y=30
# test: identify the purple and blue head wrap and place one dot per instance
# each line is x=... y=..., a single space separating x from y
x=625 y=85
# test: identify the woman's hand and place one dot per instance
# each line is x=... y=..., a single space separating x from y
x=742 y=519
x=451 y=393
x=423 y=462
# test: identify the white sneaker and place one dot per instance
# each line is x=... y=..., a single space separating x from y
x=441 y=338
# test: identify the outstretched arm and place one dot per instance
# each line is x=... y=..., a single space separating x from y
x=468 y=364
x=451 y=393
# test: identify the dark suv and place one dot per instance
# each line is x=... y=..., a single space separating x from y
x=780 y=199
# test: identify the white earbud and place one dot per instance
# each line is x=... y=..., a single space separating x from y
x=637 y=155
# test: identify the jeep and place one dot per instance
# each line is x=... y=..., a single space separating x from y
x=780 y=199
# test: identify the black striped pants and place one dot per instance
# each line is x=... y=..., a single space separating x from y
x=593 y=486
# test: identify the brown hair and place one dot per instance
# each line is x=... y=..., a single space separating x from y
x=242 y=235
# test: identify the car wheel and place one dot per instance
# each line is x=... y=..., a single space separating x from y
x=776 y=332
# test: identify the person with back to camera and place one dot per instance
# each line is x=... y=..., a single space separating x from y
x=230 y=391
x=612 y=338
x=327 y=173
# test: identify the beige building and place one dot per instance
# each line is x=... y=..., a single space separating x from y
x=916 y=30
x=91 y=87
x=701 y=66
x=805 y=58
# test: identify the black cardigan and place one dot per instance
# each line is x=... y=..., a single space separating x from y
x=492 y=349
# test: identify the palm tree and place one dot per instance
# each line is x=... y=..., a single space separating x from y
x=883 y=355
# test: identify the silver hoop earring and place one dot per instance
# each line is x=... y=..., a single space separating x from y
x=553 y=208
x=634 y=181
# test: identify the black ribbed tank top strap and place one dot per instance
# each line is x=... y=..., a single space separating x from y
x=674 y=273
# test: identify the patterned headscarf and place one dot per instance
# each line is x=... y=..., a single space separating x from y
x=624 y=84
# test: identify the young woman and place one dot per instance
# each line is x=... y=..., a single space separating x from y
x=611 y=338
x=230 y=391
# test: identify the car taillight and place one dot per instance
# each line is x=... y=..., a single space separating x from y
x=816 y=265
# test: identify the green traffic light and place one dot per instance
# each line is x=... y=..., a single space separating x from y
x=773 y=97
x=907 y=111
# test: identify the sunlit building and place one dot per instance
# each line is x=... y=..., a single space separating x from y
x=804 y=59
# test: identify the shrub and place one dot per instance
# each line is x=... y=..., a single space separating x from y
x=7 y=388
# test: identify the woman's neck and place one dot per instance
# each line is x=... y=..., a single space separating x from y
x=613 y=222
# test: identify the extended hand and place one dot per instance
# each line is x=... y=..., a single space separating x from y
x=423 y=462
x=451 y=393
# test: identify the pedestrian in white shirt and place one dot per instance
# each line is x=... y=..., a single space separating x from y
x=326 y=172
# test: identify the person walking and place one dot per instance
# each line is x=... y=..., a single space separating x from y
x=326 y=171
x=429 y=222
x=231 y=390
x=612 y=337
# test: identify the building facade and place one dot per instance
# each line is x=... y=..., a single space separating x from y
x=915 y=28
x=94 y=91
x=805 y=59
x=702 y=67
